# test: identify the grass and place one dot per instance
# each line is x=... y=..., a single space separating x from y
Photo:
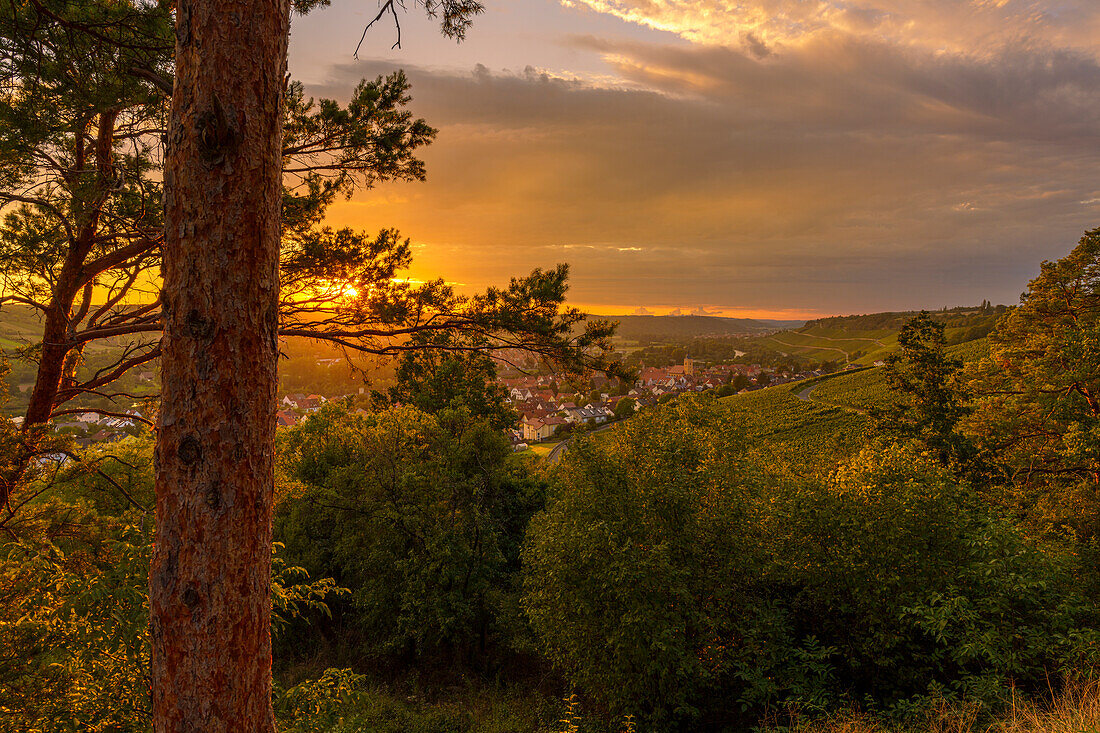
x=796 y=431
x=345 y=703
x=1076 y=709
x=342 y=702
x=543 y=449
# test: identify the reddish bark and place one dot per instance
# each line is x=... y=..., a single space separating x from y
x=209 y=585
x=59 y=354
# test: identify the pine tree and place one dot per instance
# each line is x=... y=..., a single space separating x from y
x=1039 y=407
x=83 y=110
x=930 y=401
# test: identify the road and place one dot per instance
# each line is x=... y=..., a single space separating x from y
x=804 y=395
x=555 y=455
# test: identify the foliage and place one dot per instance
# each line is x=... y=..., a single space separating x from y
x=113 y=478
x=73 y=636
x=625 y=407
x=1039 y=411
x=432 y=380
x=928 y=400
x=341 y=701
x=421 y=516
x=74 y=614
x=673 y=578
x=902 y=569
x=631 y=565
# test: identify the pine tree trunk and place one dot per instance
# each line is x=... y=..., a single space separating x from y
x=209 y=585
x=51 y=365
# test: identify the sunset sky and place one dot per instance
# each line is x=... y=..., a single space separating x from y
x=772 y=158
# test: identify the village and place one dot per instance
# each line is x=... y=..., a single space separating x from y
x=548 y=412
x=549 y=406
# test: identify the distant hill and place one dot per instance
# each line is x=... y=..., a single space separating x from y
x=960 y=317
x=866 y=338
x=634 y=328
x=20 y=326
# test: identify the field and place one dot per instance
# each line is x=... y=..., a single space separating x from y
x=797 y=431
x=862 y=390
x=542 y=450
x=831 y=421
x=834 y=345
x=971 y=350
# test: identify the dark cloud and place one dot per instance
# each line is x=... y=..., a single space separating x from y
x=751 y=43
x=840 y=175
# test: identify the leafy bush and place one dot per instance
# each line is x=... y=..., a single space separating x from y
x=74 y=616
x=672 y=577
x=73 y=622
x=919 y=589
x=419 y=515
x=632 y=571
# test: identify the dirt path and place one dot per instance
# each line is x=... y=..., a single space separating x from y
x=812 y=348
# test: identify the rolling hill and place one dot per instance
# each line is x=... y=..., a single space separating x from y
x=864 y=339
x=816 y=422
x=637 y=328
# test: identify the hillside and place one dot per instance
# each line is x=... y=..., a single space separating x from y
x=649 y=328
x=796 y=431
x=816 y=422
x=864 y=339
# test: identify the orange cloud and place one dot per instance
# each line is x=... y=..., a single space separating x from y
x=947 y=25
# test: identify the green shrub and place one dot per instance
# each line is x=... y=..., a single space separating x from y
x=74 y=618
x=421 y=516
x=671 y=577
x=632 y=571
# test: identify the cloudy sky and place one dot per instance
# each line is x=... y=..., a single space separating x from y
x=782 y=158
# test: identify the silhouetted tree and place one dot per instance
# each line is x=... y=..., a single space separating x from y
x=83 y=110
x=930 y=400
